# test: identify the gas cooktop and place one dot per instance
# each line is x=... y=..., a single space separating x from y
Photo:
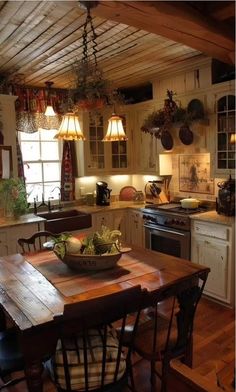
x=175 y=207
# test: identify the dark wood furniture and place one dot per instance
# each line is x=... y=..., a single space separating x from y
x=32 y=302
x=36 y=241
x=89 y=356
x=11 y=357
x=162 y=339
x=182 y=378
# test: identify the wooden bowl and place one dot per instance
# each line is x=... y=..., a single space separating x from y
x=90 y=262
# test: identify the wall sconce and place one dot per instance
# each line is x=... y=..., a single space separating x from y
x=165 y=170
x=115 y=130
x=70 y=128
x=49 y=109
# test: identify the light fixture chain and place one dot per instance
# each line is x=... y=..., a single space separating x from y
x=94 y=42
x=85 y=39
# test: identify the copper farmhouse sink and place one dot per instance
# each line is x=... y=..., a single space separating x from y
x=68 y=220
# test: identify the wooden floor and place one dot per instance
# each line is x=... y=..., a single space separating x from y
x=214 y=347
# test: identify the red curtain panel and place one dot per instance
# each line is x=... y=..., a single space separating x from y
x=68 y=171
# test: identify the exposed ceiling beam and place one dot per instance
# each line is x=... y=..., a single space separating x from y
x=223 y=11
x=177 y=21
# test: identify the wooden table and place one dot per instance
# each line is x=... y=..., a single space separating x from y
x=35 y=287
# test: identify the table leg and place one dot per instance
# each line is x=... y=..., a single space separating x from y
x=33 y=372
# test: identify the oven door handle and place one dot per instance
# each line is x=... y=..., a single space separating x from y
x=166 y=231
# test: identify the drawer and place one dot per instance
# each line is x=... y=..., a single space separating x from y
x=211 y=230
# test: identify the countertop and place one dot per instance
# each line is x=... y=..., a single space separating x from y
x=214 y=217
x=32 y=218
x=210 y=216
x=21 y=220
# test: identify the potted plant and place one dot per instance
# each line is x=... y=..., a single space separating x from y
x=13 y=197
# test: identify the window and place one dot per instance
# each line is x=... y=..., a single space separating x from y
x=42 y=164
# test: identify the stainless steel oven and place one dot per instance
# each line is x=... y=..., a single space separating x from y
x=167 y=229
x=169 y=241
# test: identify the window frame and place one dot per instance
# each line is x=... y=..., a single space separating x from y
x=41 y=161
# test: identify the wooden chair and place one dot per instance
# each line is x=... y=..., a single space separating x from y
x=182 y=378
x=89 y=355
x=166 y=337
x=11 y=358
x=36 y=241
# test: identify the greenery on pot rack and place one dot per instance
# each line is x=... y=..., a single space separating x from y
x=13 y=197
x=104 y=242
x=162 y=120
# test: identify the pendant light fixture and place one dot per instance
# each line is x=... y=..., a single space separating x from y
x=70 y=126
x=115 y=130
x=49 y=109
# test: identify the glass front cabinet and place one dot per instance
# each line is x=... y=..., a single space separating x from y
x=99 y=157
x=225 y=148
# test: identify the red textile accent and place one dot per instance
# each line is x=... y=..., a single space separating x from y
x=68 y=171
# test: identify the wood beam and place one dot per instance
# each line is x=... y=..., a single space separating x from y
x=176 y=21
x=223 y=11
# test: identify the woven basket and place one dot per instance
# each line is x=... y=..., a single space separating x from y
x=90 y=262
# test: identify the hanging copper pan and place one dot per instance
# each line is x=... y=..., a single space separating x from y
x=185 y=134
x=167 y=140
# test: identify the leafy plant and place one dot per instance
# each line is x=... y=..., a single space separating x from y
x=91 y=90
x=104 y=242
x=13 y=196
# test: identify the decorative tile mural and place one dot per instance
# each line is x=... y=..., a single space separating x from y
x=194 y=174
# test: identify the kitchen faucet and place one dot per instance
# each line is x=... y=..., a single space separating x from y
x=59 y=196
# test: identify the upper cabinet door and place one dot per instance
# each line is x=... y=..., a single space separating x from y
x=147 y=147
x=101 y=157
x=225 y=125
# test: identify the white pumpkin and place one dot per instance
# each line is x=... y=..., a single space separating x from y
x=73 y=245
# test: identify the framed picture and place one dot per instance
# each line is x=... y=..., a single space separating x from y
x=194 y=174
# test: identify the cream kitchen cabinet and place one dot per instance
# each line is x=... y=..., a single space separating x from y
x=8 y=119
x=146 y=146
x=221 y=105
x=96 y=157
x=9 y=236
x=135 y=232
x=114 y=220
x=213 y=246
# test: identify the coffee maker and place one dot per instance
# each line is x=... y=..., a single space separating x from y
x=102 y=194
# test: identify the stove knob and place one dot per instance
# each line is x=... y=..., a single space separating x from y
x=152 y=219
x=182 y=223
x=168 y=222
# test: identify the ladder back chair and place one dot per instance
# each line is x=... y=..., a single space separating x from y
x=11 y=357
x=167 y=336
x=89 y=354
x=36 y=241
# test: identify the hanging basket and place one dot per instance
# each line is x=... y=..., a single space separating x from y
x=90 y=104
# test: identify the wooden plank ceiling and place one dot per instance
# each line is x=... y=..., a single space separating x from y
x=40 y=40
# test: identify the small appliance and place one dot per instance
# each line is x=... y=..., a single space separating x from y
x=225 y=203
x=102 y=194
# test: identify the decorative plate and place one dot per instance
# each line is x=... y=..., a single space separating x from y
x=185 y=135
x=167 y=140
x=127 y=193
